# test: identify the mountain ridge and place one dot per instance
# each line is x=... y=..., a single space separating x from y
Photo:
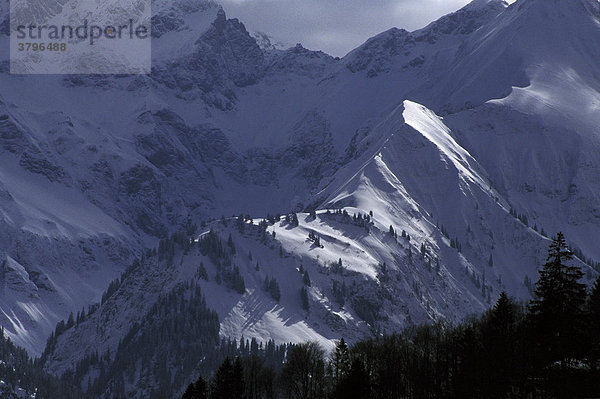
x=442 y=126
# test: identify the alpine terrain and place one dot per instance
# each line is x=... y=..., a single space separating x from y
x=285 y=195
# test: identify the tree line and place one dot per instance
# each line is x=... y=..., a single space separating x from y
x=549 y=348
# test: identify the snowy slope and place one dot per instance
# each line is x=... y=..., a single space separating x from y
x=555 y=110
x=363 y=280
x=224 y=127
x=417 y=152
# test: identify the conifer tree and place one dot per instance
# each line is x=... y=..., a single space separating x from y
x=294 y=219
x=306 y=278
x=593 y=313
x=237 y=380
x=196 y=390
x=230 y=244
x=274 y=289
x=558 y=308
x=240 y=223
x=340 y=361
x=228 y=382
x=500 y=346
x=317 y=241
x=356 y=384
x=304 y=298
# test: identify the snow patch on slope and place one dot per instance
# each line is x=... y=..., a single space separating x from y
x=433 y=128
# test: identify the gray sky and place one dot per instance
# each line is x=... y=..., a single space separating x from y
x=335 y=26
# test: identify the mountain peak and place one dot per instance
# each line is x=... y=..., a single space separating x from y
x=479 y=4
x=267 y=42
x=221 y=16
x=464 y=21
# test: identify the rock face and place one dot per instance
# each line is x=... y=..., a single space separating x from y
x=472 y=136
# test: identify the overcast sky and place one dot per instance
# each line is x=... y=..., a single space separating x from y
x=335 y=26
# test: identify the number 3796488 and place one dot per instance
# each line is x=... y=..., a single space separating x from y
x=42 y=46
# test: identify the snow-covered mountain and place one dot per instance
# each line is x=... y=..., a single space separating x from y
x=475 y=136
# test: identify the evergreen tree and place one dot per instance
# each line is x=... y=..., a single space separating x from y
x=228 y=382
x=317 y=241
x=274 y=289
x=306 y=278
x=593 y=311
x=196 y=390
x=340 y=361
x=304 y=298
x=70 y=321
x=230 y=244
x=219 y=387
x=294 y=219
x=238 y=387
x=558 y=308
x=356 y=384
x=500 y=346
x=240 y=223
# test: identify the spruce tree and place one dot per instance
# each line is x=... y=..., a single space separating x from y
x=304 y=298
x=317 y=241
x=557 y=310
x=228 y=382
x=306 y=279
x=356 y=384
x=502 y=316
x=230 y=244
x=500 y=345
x=340 y=361
x=238 y=386
x=294 y=220
x=593 y=310
x=274 y=289
x=220 y=384
x=196 y=390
